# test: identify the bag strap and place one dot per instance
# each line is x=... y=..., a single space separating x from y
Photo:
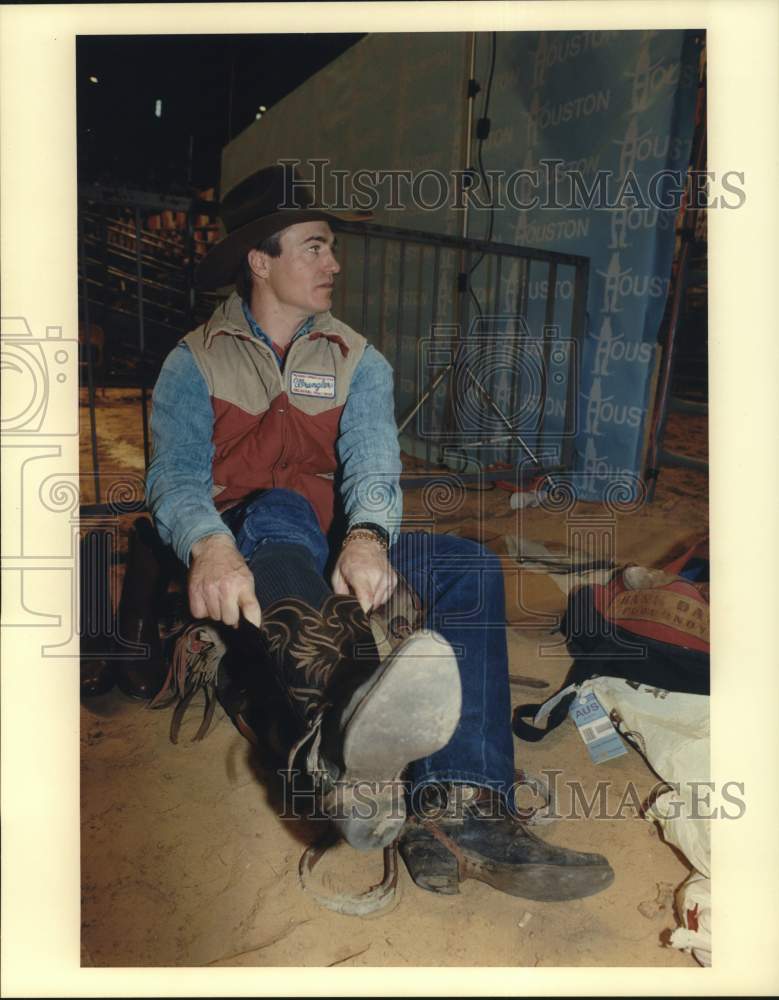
x=556 y=708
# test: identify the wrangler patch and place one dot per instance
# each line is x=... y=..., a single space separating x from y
x=306 y=384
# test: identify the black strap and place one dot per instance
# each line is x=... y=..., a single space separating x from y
x=556 y=717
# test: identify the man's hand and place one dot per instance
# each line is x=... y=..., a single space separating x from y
x=364 y=570
x=221 y=585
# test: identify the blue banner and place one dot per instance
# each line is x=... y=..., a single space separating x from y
x=613 y=109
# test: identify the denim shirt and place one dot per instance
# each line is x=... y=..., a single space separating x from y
x=179 y=478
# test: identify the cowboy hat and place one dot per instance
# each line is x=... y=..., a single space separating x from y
x=262 y=204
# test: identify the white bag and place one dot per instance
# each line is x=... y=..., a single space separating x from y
x=671 y=731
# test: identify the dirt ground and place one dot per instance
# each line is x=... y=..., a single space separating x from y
x=185 y=861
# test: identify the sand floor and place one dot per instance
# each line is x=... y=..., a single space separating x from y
x=185 y=861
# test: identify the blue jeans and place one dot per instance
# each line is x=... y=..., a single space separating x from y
x=461 y=587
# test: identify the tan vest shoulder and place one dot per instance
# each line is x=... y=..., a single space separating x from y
x=327 y=323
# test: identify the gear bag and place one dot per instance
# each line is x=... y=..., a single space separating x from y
x=647 y=626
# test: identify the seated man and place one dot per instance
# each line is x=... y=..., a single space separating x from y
x=267 y=421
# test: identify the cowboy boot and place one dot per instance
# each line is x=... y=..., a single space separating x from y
x=145 y=579
x=258 y=707
x=365 y=720
x=466 y=832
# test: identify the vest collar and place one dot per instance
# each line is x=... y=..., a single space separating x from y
x=229 y=318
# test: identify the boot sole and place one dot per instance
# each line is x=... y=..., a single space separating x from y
x=410 y=711
x=543 y=883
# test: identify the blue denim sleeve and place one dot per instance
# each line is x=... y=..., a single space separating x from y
x=178 y=480
x=368 y=448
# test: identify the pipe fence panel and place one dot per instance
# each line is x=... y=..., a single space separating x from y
x=484 y=338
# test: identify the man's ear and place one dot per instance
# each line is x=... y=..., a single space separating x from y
x=259 y=263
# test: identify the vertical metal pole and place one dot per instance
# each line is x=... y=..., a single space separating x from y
x=104 y=270
x=546 y=347
x=466 y=298
x=436 y=272
x=488 y=282
x=488 y=330
x=463 y=300
x=469 y=122
x=141 y=334
x=365 y=266
x=524 y=289
x=498 y=277
x=139 y=281
x=434 y=320
x=90 y=373
x=523 y=295
x=382 y=287
x=578 y=319
x=420 y=278
x=551 y=293
x=399 y=326
x=668 y=363
x=421 y=258
x=465 y=258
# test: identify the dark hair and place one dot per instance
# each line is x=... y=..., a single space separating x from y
x=243 y=282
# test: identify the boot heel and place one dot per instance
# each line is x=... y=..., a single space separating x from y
x=444 y=883
x=431 y=866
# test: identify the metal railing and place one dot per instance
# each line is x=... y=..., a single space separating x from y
x=484 y=337
x=136 y=293
x=466 y=325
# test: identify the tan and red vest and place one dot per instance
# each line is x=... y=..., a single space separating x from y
x=275 y=428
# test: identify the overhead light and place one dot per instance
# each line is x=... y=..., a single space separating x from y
x=257 y=116
x=158 y=108
x=263 y=108
x=93 y=79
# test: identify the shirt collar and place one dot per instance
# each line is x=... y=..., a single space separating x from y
x=257 y=330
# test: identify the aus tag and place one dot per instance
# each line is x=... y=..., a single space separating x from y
x=602 y=740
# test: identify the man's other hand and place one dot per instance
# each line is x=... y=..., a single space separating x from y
x=364 y=570
x=221 y=585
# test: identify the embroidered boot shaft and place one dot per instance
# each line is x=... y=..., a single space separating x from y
x=365 y=719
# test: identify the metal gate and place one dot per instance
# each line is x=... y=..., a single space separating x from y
x=484 y=337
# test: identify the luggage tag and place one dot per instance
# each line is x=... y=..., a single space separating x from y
x=602 y=740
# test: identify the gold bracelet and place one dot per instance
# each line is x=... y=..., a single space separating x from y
x=364 y=535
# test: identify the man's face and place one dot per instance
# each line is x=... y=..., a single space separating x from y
x=302 y=277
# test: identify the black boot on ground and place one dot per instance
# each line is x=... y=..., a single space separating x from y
x=365 y=720
x=96 y=677
x=97 y=674
x=464 y=832
x=146 y=576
